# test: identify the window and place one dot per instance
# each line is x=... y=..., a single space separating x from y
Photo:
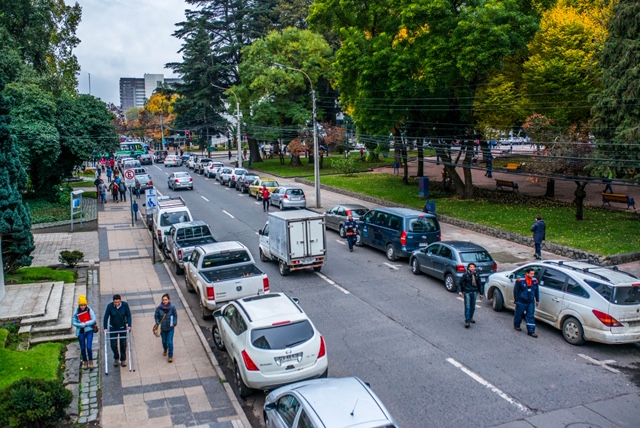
x=282 y=336
x=394 y=222
x=369 y=217
x=167 y=219
x=446 y=252
x=341 y=212
x=433 y=249
x=576 y=289
x=237 y=324
x=381 y=219
x=553 y=279
x=304 y=421
x=225 y=258
x=626 y=295
x=287 y=407
x=520 y=272
x=296 y=192
x=195 y=256
x=475 y=256
x=604 y=290
x=422 y=224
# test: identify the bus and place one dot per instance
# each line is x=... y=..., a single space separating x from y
x=133 y=148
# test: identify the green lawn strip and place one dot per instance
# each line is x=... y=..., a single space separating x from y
x=43 y=211
x=29 y=275
x=42 y=361
x=82 y=184
x=602 y=231
x=273 y=167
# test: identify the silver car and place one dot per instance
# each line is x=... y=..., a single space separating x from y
x=288 y=197
x=583 y=300
x=180 y=180
x=143 y=177
x=333 y=402
x=336 y=216
x=223 y=174
x=209 y=170
x=448 y=261
x=235 y=175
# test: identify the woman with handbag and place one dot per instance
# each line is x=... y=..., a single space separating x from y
x=166 y=317
x=84 y=320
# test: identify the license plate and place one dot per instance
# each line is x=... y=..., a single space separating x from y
x=422 y=244
x=483 y=280
x=288 y=358
x=295 y=198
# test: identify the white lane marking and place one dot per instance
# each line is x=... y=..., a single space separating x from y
x=489 y=386
x=228 y=214
x=602 y=364
x=396 y=267
x=156 y=166
x=329 y=281
x=341 y=242
x=204 y=198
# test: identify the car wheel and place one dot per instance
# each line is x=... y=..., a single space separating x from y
x=498 y=301
x=187 y=285
x=572 y=331
x=179 y=270
x=257 y=196
x=341 y=232
x=204 y=312
x=243 y=390
x=450 y=283
x=391 y=253
x=217 y=337
x=263 y=258
x=283 y=268
x=359 y=242
x=317 y=268
x=281 y=206
x=415 y=267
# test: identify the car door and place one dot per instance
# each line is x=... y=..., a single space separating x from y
x=276 y=195
x=232 y=326
x=190 y=268
x=365 y=226
x=330 y=218
x=285 y=413
x=441 y=260
x=509 y=299
x=552 y=283
x=426 y=262
x=377 y=230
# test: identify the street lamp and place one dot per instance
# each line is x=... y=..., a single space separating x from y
x=238 y=119
x=316 y=153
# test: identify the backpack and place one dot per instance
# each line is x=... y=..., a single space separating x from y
x=123 y=188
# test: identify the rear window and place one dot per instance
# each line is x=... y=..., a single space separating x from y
x=475 y=257
x=225 y=258
x=626 y=295
x=422 y=224
x=295 y=192
x=282 y=336
x=358 y=213
x=192 y=232
x=167 y=219
x=270 y=183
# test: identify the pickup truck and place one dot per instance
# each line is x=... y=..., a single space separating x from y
x=200 y=165
x=221 y=272
x=182 y=238
x=170 y=211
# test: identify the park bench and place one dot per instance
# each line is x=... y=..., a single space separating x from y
x=607 y=198
x=506 y=183
x=513 y=166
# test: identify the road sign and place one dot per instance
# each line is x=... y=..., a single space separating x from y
x=152 y=200
x=129 y=177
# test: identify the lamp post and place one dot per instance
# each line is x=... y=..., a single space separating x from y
x=316 y=153
x=238 y=119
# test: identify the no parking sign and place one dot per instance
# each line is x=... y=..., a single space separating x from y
x=129 y=177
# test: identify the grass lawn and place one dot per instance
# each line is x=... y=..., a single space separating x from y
x=602 y=231
x=28 y=275
x=273 y=167
x=42 y=361
x=43 y=211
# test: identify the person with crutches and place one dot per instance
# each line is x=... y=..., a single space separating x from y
x=117 y=321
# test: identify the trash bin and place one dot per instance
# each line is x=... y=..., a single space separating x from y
x=431 y=207
x=423 y=187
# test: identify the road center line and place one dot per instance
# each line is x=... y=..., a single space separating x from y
x=602 y=364
x=489 y=386
x=228 y=214
x=341 y=242
x=331 y=282
x=204 y=198
x=396 y=267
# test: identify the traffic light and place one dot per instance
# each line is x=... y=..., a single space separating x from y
x=187 y=135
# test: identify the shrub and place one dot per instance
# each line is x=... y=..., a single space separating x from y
x=70 y=258
x=345 y=166
x=34 y=403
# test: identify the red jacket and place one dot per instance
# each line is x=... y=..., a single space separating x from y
x=265 y=193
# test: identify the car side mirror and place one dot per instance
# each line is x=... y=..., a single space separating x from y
x=260 y=232
x=511 y=276
x=217 y=314
x=270 y=406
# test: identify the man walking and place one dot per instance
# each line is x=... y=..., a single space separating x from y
x=539 y=230
x=264 y=193
x=526 y=294
x=117 y=320
x=123 y=191
x=350 y=229
x=470 y=285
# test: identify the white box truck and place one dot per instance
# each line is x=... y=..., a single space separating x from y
x=295 y=240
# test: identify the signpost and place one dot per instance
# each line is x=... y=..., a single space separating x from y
x=129 y=182
x=151 y=208
x=76 y=205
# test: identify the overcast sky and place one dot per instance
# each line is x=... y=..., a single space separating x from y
x=125 y=38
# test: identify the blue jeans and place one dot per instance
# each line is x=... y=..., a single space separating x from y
x=469 y=305
x=122 y=339
x=529 y=309
x=167 y=341
x=538 y=249
x=86 y=339
x=351 y=239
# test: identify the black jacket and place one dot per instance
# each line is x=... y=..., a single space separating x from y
x=466 y=285
x=117 y=319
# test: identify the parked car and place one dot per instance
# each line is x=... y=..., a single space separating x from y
x=254 y=188
x=172 y=160
x=583 y=300
x=192 y=161
x=200 y=165
x=235 y=173
x=143 y=178
x=145 y=159
x=288 y=197
x=209 y=170
x=336 y=216
x=333 y=402
x=159 y=156
x=245 y=181
x=397 y=231
x=221 y=173
x=448 y=261
x=180 y=180
x=271 y=342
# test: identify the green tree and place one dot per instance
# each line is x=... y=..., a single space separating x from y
x=616 y=110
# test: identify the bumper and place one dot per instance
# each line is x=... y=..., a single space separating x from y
x=259 y=380
x=294 y=204
x=605 y=336
x=182 y=186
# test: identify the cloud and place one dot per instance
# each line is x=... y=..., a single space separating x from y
x=125 y=39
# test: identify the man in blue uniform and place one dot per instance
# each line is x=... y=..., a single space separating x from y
x=350 y=231
x=527 y=296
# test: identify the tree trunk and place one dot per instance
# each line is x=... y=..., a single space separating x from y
x=254 y=151
x=551 y=188
x=580 y=194
x=468 y=177
x=405 y=174
x=295 y=160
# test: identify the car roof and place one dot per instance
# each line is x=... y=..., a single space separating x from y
x=181 y=174
x=403 y=212
x=267 y=309
x=612 y=275
x=287 y=187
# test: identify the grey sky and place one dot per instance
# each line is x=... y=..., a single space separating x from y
x=125 y=38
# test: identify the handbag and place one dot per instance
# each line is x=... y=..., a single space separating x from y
x=95 y=328
x=156 y=327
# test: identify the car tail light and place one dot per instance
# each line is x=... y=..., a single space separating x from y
x=179 y=254
x=159 y=235
x=323 y=349
x=177 y=181
x=606 y=319
x=150 y=183
x=248 y=362
x=403 y=238
x=495 y=267
x=461 y=268
x=265 y=284
x=211 y=295
x=190 y=180
x=440 y=235
x=286 y=196
x=304 y=197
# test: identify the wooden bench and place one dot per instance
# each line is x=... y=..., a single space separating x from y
x=506 y=183
x=512 y=166
x=607 y=198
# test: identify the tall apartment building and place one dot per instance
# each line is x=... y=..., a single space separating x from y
x=135 y=91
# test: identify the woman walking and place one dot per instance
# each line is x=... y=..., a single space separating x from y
x=167 y=317
x=114 y=191
x=83 y=320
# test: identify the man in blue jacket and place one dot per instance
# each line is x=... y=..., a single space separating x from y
x=539 y=230
x=117 y=320
x=527 y=296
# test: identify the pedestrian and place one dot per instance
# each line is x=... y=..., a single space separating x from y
x=229 y=154
x=608 y=181
x=361 y=153
x=350 y=229
x=109 y=172
x=83 y=320
x=244 y=154
x=97 y=183
x=135 y=210
x=123 y=191
x=396 y=167
x=98 y=170
x=102 y=189
x=117 y=322
x=138 y=187
x=166 y=316
x=114 y=191
x=281 y=156
x=539 y=229
x=471 y=286
x=526 y=294
x=264 y=192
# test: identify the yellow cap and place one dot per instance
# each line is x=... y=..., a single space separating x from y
x=82 y=300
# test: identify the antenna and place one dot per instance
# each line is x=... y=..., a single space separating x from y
x=354 y=407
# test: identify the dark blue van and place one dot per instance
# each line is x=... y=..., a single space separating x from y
x=397 y=231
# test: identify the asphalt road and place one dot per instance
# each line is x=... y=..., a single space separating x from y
x=405 y=335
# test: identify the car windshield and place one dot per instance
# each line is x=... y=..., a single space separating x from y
x=167 y=219
x=240 y=171
x=475 y=256
x=357 y=212
x=225 y=258
x=282 y=336
x=422 y=224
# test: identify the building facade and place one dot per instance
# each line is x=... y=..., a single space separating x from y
x=135 y=91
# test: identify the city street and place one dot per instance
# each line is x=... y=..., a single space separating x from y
x=404 y=334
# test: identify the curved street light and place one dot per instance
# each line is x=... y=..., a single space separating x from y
x=316 y=153
x=237 y=118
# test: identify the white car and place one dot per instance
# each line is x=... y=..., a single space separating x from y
x=236 y=173
x=270 y=341
x=209 y=171
x=584 y=301
x=191 y=162
x=223 y=175
x=172 y=160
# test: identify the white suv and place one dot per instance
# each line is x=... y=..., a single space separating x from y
x=270 y=341
x=209 y=171
x=585 y=301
